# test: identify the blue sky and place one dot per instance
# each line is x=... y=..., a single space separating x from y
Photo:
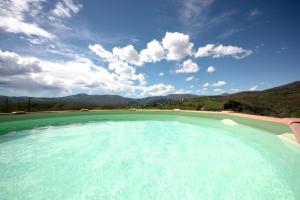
x=140 y=48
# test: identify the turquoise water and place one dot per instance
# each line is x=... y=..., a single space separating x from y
x=176 y=158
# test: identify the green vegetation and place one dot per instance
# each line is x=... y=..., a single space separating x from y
x=283 y=101
x=200 y=103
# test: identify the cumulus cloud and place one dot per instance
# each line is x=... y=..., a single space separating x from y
x=126 y=72
x=83 y=74
x=157 y=90
x=189 y=78
x=100 y=51
x=20 y=73
x=121 y=68
x=222 y=51
x=178 y=45
x=205 y=85
x=219 y=84
x=66 y=8
x=73 y=75
x=128 y=54
x=153 y=53
x=188 y=66
x=175 y=45
x=211 y=69
x=204 y=51
x=13 y=64
x=28 y=83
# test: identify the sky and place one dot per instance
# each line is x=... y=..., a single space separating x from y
x=139 y=48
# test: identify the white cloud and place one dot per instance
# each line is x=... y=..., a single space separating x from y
x=157 y=90
x=204 y=51
x=188 y=67
x=14 y=14
x=189 y=78
x=66 y=8
x=9 y=24
x=177 y=45
x=83 y=75
x=193 y=8
x=126 y=72
x=153 y=53
x=218 y=90
x=30 y=76
x=128 y=54
x=31 y=18
x=253 y=88
x=79 y=74
x=197 y=16
x=13 y=64
x=211 y=69
x=219 y=84
x=205 y=85
x=100 y=51
x=222 y=51
x=161 y=74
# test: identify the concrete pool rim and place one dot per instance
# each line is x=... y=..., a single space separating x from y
x=221 y=114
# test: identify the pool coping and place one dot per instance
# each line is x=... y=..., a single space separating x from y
x=285 y=121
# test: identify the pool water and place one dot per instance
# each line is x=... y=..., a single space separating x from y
x=176 y=158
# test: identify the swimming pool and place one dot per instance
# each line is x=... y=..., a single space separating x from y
x=151 y=155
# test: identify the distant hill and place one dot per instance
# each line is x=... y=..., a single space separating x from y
x=282 y=101
x=164 y=99
x=79 y=101
x=96 y=99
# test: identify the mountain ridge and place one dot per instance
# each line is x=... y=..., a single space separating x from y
x=281 y=101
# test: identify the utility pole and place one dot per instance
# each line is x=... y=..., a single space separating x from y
x=6 y=105
x=29 y=104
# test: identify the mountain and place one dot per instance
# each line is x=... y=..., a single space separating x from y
x=164 y=99
x=96 y=99
x=282 y=101
x=84 y=100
